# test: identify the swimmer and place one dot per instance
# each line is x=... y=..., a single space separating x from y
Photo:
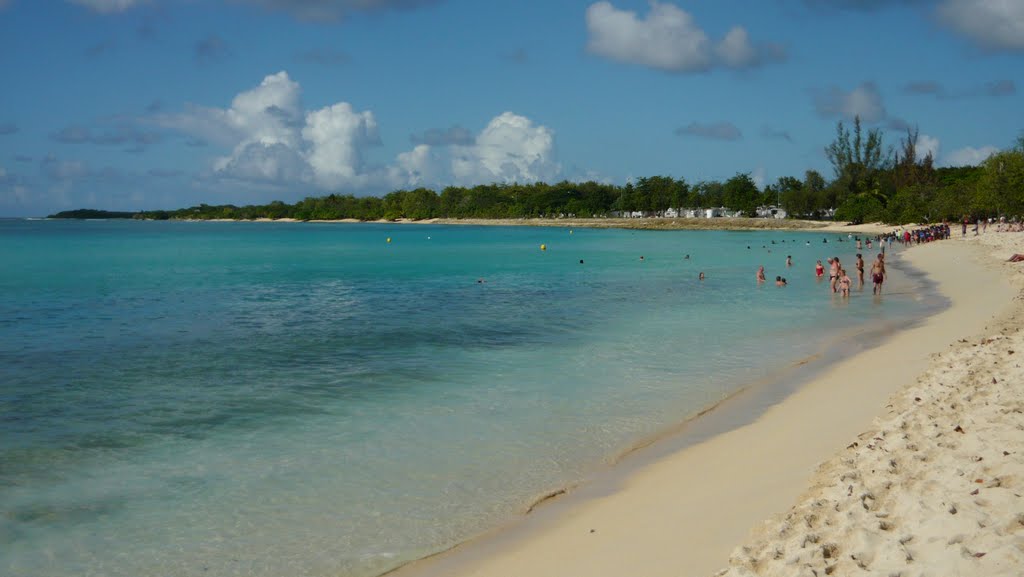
x=779 y=281
x=819 y=269
x=581 y=261
x=789 y=260
x=701 y=277
x=641 y=258
x=687 y=257
x=860 y=269
x=760 y=275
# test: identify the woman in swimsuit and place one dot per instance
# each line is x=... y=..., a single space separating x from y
x=844 y=283
x=819 y=270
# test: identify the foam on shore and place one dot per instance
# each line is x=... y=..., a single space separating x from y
x=683 y=514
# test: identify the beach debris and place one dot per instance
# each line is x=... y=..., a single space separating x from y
x=959 y=429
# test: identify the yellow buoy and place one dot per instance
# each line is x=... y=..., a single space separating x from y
x=543 y=247
x=389 y=239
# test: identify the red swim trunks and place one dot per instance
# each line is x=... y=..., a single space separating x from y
x=878 y=278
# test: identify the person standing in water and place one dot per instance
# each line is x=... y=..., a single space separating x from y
x=860 y=269
x=760 y=275
x=878 y=274
x=844 y=283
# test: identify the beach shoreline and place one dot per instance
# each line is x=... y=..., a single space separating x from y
x=652 y=223
x=657 y=518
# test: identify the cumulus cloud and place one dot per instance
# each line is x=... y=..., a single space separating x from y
x=332 y=10
x=274 y=140
x=864 y=101
x=713 y=131
x=511 y=148
x=997 y=24
x=107 y=6
x=969 y=156
x=668 y=38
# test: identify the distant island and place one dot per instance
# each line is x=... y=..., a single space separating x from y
x=89 y=213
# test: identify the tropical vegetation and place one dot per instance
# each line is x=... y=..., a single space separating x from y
x=870 y=183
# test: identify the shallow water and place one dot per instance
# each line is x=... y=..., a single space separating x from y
x=309 y=399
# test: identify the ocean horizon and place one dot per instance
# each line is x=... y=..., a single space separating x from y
x=339 y=399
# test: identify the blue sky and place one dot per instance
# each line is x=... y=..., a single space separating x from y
x=147 y=104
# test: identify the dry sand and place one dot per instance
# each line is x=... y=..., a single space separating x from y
x=935 y=486
x=883 y=506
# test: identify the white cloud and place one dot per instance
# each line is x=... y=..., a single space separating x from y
x=863 y=101
x=510 y=148
x=337 y=134
x=926 y=145
x=969 y=156
x=668 y=38
x=735 y=49
x=992 y=23
x=274 y=140
x=106 y=6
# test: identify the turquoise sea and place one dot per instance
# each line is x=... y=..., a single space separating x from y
x=268 y=399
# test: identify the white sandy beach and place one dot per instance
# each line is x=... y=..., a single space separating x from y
x=905 y=459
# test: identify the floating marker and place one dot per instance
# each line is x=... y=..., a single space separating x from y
x=389 y=239
x=543 y=247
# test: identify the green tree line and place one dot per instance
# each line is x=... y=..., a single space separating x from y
x=871 y=182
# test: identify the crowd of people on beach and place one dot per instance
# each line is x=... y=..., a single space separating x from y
x=841 y=283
